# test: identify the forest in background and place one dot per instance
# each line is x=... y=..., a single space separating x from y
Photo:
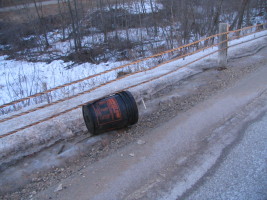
x=96 y=31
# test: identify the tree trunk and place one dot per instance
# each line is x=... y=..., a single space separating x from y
x=216 y=18
x=239 y=18
x=74 y=25
x=42 y=24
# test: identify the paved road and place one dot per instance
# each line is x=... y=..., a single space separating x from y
x=243 y=172
x=179 y=156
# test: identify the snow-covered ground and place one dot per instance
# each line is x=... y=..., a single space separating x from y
x=52 y=75
x=21 y=79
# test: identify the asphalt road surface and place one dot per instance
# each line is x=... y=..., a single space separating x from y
x=242 y=174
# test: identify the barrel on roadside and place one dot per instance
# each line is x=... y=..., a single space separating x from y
x=110 y=113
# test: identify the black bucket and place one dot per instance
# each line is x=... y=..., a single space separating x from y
x=110 y=113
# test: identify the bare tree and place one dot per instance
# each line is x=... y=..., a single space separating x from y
x=42 y=24
x=239 y=17
x=75 y=25
x=63 y=21
x=216 y=18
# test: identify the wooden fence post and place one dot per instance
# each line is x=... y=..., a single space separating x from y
x=223 y=47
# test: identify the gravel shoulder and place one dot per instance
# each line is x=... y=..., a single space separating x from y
x=162 y=106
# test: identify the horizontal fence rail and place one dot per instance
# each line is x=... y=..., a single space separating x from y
x=124 y=66
x=239 y=34
x=107 y=71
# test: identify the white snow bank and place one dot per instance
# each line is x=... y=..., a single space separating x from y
x=19 y=79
